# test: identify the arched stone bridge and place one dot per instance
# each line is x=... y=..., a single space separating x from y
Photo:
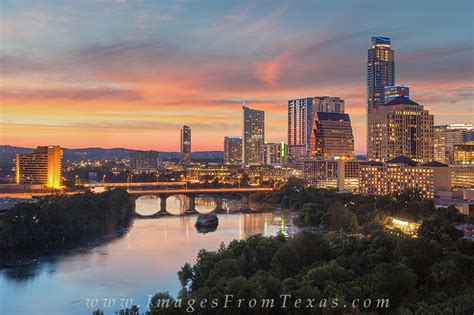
x=191 y=194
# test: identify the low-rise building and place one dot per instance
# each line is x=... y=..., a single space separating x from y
x=401 y=174
x=144 y=162
x=335 y=173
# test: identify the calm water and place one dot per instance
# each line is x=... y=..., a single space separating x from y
x=128 y=269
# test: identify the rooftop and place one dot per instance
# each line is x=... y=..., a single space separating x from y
x=435 y=164
x=402 y=160
x=401 y=100
x=332 y=116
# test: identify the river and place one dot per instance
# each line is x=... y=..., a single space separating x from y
x=126 y=269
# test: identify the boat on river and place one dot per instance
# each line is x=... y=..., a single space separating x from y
x=207 y=220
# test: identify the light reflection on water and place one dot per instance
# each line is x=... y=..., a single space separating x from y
x=141 y=262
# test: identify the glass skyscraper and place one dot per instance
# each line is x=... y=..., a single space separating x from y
x=380 y=71
x=185 y=145
x=253 y=135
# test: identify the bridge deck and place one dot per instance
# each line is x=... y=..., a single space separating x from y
x=198 y=191
x=135 y=184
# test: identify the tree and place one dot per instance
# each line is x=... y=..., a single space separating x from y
x=395 y=282
x=339 y=217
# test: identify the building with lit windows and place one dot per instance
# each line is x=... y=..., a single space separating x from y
x=235 y=174
x=144 y=162
x=401 y=127
x=462 y=176
x=43 y=166
x=299 y=120
x=440 y=153
x=334 y=173
x=331 y=136
x=380 y=71
x=297 y=154
x=463 y=154
x=394 y=91
x=185 y=145
x=223 y=173
x=232 y=150
x=253 y=135
x=273 y=153
x=401 y=174
x=451 y=135
x=301 y=113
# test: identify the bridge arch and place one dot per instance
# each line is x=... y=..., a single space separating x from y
x=147 y=205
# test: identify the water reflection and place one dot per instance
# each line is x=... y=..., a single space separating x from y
x=178 y=204
x=205 y=204
x=147 y=205
x=143 y=261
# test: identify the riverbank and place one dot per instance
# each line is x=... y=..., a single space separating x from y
x=57 y=223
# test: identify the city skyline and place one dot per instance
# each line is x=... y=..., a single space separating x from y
x=116 y=84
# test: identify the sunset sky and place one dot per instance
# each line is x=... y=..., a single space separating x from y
x=131 y=73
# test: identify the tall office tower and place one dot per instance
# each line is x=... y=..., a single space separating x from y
x=328 y=104
x=331 y=136
x=185 y=145
x=43 y=166
x=232 y=150
x=299 y=128
x=144 y=162
x=440 y=144
x=380 y=71
x=253 y=135
x=394 y=91
x=400 y=127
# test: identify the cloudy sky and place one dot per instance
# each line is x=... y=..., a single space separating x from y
x=131 y=73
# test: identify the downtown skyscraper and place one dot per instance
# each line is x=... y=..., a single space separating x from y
x=380 y=71
x=400 y=127
x=185 y=145
x=301 y=114
x=331 y=136
x=253 y=135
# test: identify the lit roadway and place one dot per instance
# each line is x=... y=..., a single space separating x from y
x=134 y=184
x=144 y=192
x=199 y=190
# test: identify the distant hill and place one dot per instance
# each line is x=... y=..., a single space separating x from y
x=7 y=154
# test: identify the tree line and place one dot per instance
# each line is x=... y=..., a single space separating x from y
x=58 y=220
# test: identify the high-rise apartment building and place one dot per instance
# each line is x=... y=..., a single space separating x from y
x=43 y=166
x=328 y=104
x=185 y=145
x=144 y=162
x=394 y=91
x=253 y=135
x=300 y=113
x=440 y=144
x=232 y=150
x=380 y=71
x=332 y=136
x=401 y=127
